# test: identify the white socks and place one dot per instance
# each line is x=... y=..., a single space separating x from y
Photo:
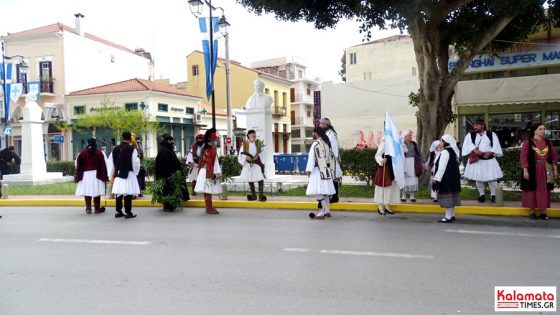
x=449 y=213
x=327 y=205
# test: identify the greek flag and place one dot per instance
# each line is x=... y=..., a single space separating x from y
x=6 y=76
x=209 y=63
x=393 y=147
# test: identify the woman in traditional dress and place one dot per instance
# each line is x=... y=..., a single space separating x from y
x=447 y=179
x=412 y=155
x=321 y=171
x=91 y=175
x=386 y=189
x=536 y=152
x=209 y=171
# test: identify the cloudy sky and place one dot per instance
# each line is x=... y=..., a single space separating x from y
x=168 y=30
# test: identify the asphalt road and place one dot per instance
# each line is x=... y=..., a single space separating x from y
x=62 y=261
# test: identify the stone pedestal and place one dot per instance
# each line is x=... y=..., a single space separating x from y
x=33 y=169
x=260 y=120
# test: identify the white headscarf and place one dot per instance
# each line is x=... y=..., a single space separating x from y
x=452 y=142
x=405 y=133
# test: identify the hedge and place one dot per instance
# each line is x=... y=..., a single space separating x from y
x=66 y=167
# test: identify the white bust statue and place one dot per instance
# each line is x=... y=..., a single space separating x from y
x=258 y=100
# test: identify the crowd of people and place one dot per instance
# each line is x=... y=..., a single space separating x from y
x=538 y=160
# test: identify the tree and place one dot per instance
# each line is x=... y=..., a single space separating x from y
x=438 y=29
x=115 y=118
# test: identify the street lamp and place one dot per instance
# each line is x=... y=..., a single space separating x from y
x=224 y=27
x=23 y=68
x=196 y=7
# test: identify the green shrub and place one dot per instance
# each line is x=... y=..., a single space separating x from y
x=359 y=163
x=149 y=165
x=66 y=167
x=230 y=167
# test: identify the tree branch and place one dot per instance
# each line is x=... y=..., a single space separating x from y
x=438 y=13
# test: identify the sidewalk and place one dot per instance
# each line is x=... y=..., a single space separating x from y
x=510 y=208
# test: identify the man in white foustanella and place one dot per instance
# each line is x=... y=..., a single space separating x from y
x=193 y=157
x=483 y=147
x=320 y=169
x=327 y=126
x=251 y=157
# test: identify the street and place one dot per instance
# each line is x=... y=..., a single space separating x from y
x=62 y=261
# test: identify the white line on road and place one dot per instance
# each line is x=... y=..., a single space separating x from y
x=502 y=233
x=299 y=250
x=70 y=240
x=358 y=253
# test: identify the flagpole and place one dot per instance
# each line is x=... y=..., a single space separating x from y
x=4 y=95
x=211 y=74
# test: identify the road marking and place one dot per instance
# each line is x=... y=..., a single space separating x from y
x=299 y=250
x=70 y=240
x=358 y=253
x=502 y=233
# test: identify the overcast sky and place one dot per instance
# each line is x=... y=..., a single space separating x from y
x=170 y=32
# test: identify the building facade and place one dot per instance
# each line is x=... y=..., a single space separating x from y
x=301 y=97
x=63 y=59
x=379 y=77
x=513 y=90
x=174 y=109
x=242 y=79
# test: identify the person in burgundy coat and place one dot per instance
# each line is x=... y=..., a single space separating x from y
x=536 y=153
x=91 y=175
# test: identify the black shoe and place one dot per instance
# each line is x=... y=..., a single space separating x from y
x=334 y=199
x=544 y=217
x=446 y=220
x=262 y=198
x=389 y=211
x=379 y=211
x=412 y=200
x=493 y=199
x=452 y=219
x=481 y=198
x=533 y=216
x=403 y=200
x=129 y=215
x=251 y=198
x=119 y=214
x=319 y=205
x=435 y=200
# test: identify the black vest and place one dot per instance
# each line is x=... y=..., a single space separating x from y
x=451 y=179
x=122 y=159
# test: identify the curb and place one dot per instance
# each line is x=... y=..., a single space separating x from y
x=292 y=205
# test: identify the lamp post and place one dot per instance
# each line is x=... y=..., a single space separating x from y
x=23 y=68
x=196 y=7
x=224 y=26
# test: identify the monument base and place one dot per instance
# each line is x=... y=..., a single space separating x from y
x=36 y=179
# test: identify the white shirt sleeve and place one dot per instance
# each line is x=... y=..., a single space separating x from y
x=217 y=168
x=496 y=147
x=443 y=160
x=135 y=163
x=379 y=153
x=110 y=165
x=334 y=143
x=190 y=158
x=242 y=158
x=311 y=158
x=106 y=163
x=468 y=146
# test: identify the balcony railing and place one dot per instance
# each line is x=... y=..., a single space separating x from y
x=279 y=111
x=302 y=121
x=47 y=86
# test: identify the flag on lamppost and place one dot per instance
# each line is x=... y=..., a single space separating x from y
x=393 y=147
x=6 y=77
x=209 y=62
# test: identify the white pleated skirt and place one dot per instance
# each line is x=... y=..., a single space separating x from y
x=251 y=174
x=411 y=181
x=484 y=170
x=193 y=174
x=387 y=195
x=90 y=186
x=318 y=186
x=206 y=186
x=126 y=186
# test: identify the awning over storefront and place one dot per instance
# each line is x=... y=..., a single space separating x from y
x=517 y=90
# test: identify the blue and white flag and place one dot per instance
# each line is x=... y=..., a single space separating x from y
x=393 y=147
x=6 y=75
x=210 y=66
